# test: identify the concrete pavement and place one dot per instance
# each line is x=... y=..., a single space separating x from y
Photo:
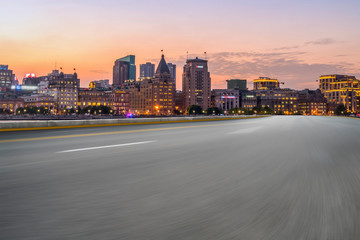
x=284 y=177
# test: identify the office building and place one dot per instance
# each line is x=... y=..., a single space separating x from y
x=172 y=68
x=6 y=78
x=239 y=84
x=147 y=70
x=41 y=100
x=341 y=89
x=265 y=83
x=196 y=83
x=312 y=102
x=226 y=99
x=64 y=88
x=92 y=97
x=153 y=95
x=99 y=84
x=281 y=101
x=124 y=70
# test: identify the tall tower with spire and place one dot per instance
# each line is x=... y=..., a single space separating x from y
x=164 y=89
x=153 y=95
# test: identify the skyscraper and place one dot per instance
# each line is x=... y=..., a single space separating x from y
x=6 y=77
x=196 y=83
x=147 y=70
x=172 y=68
x=124 y=69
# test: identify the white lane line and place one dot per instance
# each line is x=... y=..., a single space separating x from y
x=108 y=146
x=246 y=130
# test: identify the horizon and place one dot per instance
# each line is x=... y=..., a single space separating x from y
x=292 y=42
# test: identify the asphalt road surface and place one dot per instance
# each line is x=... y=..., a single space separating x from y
x=269 y=178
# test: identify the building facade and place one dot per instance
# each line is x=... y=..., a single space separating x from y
x=341 y=89
x=226 y=99
x=240 y=84
x=147 y=70
x=64 y=88
x=153 y=95
x=172 y=68
x=6 y=78
x=265 y=83
x=120 y=102
x=11 y=105
x=124 y=69
x=281 y=101
x=41 y=100
x=312 y=102
x=196 y=83
x=99 y=84
x=92 y=97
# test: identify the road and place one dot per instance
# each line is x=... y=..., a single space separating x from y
x=282 y=177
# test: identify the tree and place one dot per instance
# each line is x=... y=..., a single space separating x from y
x=213 y=110
x=194 y=109
x=341 y=110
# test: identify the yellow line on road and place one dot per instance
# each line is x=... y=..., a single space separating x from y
x=119 y=124
x=105 y=133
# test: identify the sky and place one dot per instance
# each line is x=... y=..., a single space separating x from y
x=293 y=41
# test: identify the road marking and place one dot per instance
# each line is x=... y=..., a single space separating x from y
x=122 y=124
x=101 y=147
x=246 y=130
x=112 y=133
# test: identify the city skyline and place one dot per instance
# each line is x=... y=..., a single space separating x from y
x=293 y=42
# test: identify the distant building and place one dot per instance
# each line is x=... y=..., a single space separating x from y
x=124 y=69
x=172 y=68
x=41 y=100
x=120 y=102
x=226 y=99
x=10 y=105
x=64 y=88
x=153 y=95
x=92 y=97
x=281 y=101
x=196 y=83
x=6 y=78
x=265 y=83
x=99 y=84
x=239 y=84
x=147 y=70
x=248 y=99
x=179 y=101
x=339 y=89
x=312 y=102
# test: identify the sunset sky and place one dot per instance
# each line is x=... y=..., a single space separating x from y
x=294 y=41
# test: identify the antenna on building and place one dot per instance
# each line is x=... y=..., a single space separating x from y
x=187 y=55
x=162 y=51
x=205 y=53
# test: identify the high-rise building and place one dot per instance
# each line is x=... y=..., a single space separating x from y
x=341 y=89
x=6 y=78
x=239 y=84
x=147 y=70
x=265 y=83
x=172 y=68
x=124 y=69
x=196 y=83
